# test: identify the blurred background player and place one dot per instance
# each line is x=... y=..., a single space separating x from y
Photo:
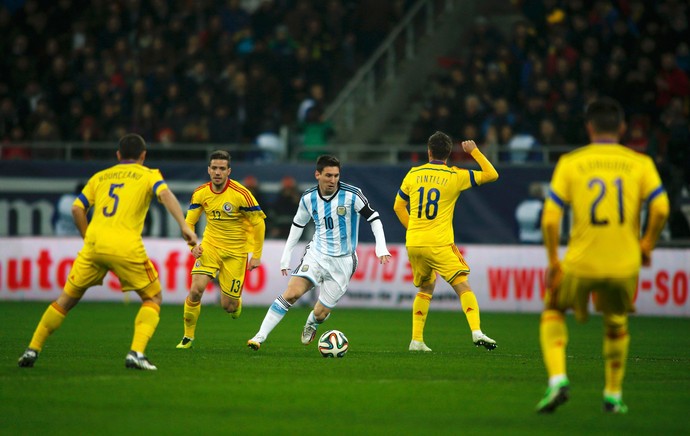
x=64 y=221
x=120 y=197
x=605 y=185
x=330 y=258
x=283 y=208
x=235 y=227
x=431 y=191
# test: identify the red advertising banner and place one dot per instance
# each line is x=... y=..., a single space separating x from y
x=505 y=278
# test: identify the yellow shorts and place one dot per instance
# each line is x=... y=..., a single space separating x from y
x=229 y=267
x=610 y=296
x=90 y=268
x=446 y=261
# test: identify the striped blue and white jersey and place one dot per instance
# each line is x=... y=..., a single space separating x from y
x=336 y=218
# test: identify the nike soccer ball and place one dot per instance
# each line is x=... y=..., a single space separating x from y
x=333 y=343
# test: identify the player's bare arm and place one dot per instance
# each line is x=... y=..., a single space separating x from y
x=259 y=235
x=489 y=173
x=253 y=263
x=80 y=219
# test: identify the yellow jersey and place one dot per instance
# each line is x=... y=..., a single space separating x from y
x=120 y=197
x=230 y=217
x=606 y=186
x=431 y=191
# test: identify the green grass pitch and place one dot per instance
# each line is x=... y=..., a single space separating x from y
x=80 y=385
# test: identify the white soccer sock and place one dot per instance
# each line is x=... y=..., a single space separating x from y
x=273 y=316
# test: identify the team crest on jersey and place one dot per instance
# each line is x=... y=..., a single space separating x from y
x=227 y=207
x=305 y=268
x=197 y=264
x=341 y=210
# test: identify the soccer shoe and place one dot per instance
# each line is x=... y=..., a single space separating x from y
x=185 y=342
x=554 y=397
x=614 y=405
x=255 y=342
x=137 y=361
x=418 y=346
x=308 y=333
x=28 y=358
x=482 y=340
x=236 y=314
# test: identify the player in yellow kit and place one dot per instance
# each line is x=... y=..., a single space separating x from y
x=431 y=190
x=120 y=198
x=235 y=226
x=605 y=185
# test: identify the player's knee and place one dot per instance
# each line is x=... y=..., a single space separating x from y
x=615 y=325
x=155 y=298
x=293 y=293
x=195 y=293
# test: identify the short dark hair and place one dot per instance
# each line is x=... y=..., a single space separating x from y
x=326 y=160
x=440 y=145
x=605 y=115
x=219 y=155
x=131 y=146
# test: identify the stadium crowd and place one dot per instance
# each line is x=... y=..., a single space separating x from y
x=531 y=86
x=175 y=70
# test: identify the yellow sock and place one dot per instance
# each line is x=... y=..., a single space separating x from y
x=615 y=355
x=145 y=325
x=471 y=309
x=191 y=315
x=553 y=335
x=420 y=309
x=50 y=321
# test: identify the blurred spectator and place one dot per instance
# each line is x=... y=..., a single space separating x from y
x=422 y=127
x=252 y=184
x=315 y=99
x=520 y=146
x=15 y=146
x=550 y=137
x=283 y=209
x=637 y=136
x=222 y=127
x=528 y=215
x=500 y=116
x=671 y=81
x=315 y=132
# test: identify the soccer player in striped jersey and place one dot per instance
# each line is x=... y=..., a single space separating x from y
x=119 y=197
x=605 y=185
x=329 y=259
x=235 y=227
x=431 y=191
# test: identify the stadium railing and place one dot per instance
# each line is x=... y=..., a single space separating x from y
x=400 y=45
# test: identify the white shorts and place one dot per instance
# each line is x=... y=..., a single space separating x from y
x=333 y=274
